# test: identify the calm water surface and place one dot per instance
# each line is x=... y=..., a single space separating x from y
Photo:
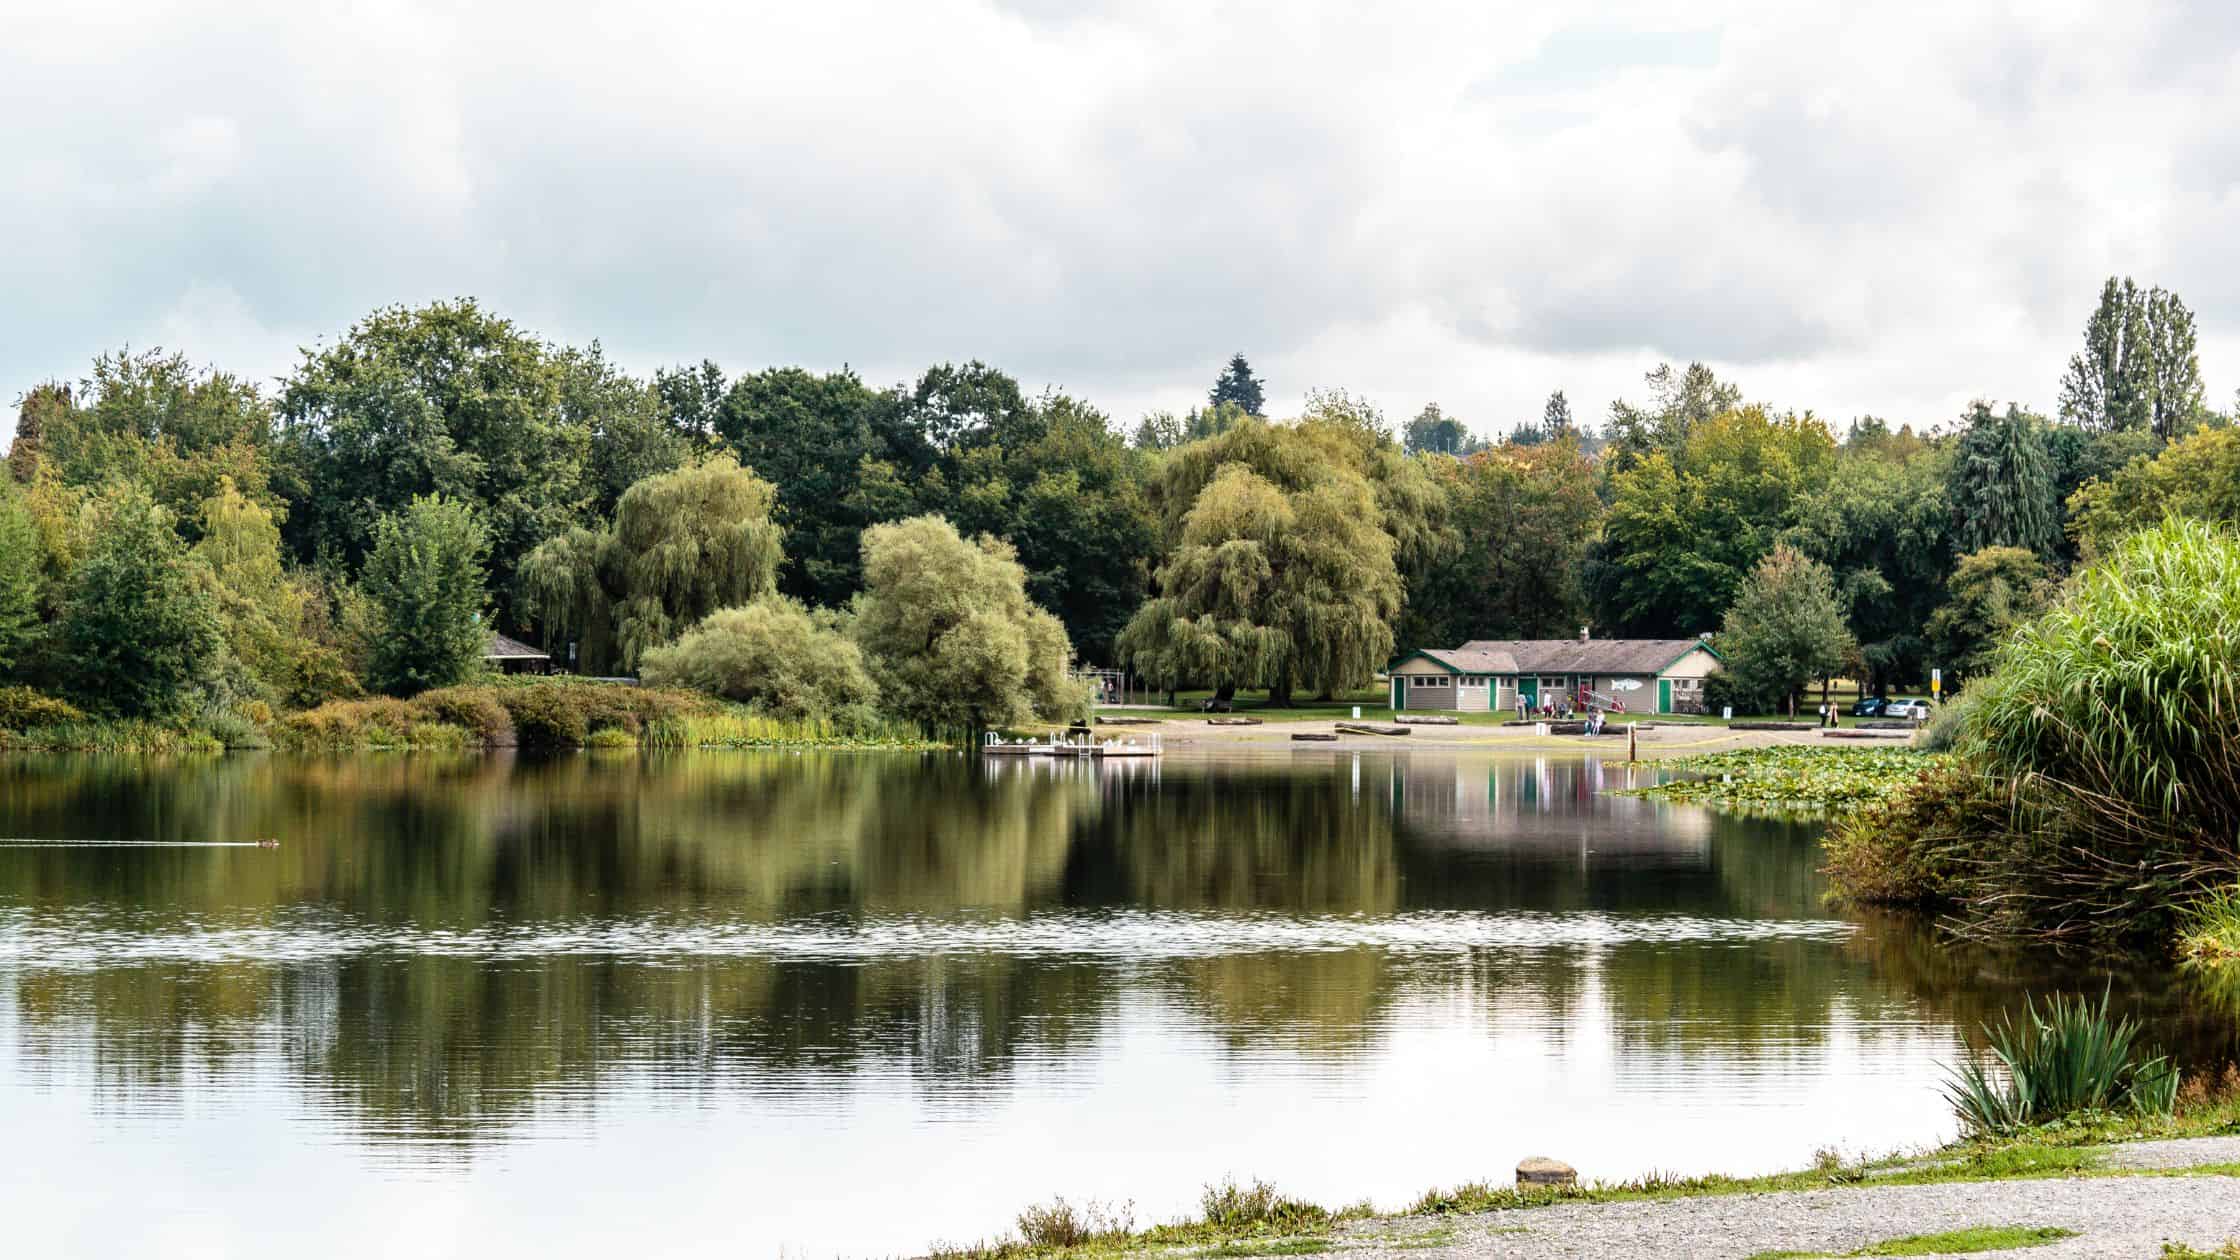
x=850 y=1004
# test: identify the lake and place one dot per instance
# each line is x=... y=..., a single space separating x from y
x=850 y=1004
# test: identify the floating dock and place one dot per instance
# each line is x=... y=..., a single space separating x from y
x=1076 y=746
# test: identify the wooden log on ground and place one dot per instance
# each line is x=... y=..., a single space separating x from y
x=1365 y=728
x=1426 y=719
x=1857 y=733
x=1319 y=737
x=1128 y=721
x=1233 y=721
x=1773 y=726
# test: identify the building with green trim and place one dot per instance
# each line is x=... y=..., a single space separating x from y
x=1625 y=675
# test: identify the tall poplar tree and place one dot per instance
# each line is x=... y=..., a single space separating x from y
x=2138 y=370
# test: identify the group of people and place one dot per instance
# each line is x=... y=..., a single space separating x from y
x=1553 y=707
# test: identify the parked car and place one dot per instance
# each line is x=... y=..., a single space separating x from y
x=1871 y=706
x=1915 y=710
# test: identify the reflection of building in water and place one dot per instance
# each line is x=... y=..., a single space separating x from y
x=1538 y=805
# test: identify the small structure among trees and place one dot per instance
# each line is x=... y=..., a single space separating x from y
x=512 y=656
x=1635 y=675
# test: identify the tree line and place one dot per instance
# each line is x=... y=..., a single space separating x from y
x=174 y=537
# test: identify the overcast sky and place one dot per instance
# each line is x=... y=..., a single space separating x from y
x=1884 y=209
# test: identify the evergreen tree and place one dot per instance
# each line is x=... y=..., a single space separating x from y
x=2138 y=370
x=1239 y=386
x=140 y=626
x=2001 y=483
x=1555 y=418
x=1786 y=628
x=426 y=580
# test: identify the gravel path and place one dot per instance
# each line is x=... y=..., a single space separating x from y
x=2114 y=1217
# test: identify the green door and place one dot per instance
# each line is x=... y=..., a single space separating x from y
x=1399 y=692
x=1528 y=691
x=1664 y=695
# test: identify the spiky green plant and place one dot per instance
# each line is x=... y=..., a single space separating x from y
x=2069 y=1056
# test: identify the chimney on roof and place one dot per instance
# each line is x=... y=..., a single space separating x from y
x=1582 y=634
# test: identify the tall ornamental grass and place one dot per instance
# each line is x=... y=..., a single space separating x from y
x=2070 y=1056
x=2105 y=745
x=2124 y=698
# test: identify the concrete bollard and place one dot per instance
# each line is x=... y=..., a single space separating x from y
x=1544 y=1172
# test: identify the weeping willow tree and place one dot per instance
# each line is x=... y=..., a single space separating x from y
x=951 y=635
x=1282 y=569
x=682 y=544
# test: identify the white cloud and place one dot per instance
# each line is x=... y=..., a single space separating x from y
x=1888 y=209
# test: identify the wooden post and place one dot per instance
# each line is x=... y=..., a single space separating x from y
x=1633 y=741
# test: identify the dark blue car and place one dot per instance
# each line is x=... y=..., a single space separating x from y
x=1870 y=706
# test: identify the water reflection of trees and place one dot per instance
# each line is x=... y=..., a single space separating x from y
x=427 y=1047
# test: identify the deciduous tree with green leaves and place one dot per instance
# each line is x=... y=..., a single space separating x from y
x=1785 y=630
x=773 y=654
x=449 y=400
x=842 y=455
x=1434 y=432
x=682 y=544
x=1524 y=517
x=1687 y=524
x=951 y=636
x=1991 y=593
x=22 y=577
x=2196 y=476
x=1070 y=496
x=139 y=626
x=1680 y=401
x=426 y=578
x=1280 y=571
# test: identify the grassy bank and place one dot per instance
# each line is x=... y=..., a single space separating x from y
x=1254 y=1220
x=537 y=714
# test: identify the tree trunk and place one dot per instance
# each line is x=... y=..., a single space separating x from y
x=1279 y=696
x=1225 y=692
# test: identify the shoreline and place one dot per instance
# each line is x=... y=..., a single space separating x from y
x=1656 y=743
x=2118 y=1194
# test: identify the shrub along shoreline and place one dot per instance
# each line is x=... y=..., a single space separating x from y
x=546 y=714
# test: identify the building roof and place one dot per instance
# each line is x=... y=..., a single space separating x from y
x=501 y=648
x=1469 y=659
x=1592 y=656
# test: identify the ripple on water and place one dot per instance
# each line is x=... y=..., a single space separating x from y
x=87 y=939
